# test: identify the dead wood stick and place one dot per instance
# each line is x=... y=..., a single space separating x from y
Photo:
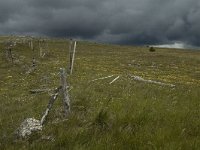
x=102 y=78
x=50 y=104
x=115 y=79
x=138 y=78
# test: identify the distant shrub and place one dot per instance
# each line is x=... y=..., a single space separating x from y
x=152 y=49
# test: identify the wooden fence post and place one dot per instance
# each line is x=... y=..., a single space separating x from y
x=33 y=52
x=10 y=54
x=40 y=48
x=66 y=99
x=73 y=57
x=31 y=44
x=72 y=50
x=70 y=55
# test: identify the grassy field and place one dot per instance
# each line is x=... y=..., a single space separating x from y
x=127 y=114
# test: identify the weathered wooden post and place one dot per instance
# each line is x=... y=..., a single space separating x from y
x=72 y=49
x=33 y=52
x=33 y=62
x=47 y=45
x=70 y=55
x=43 y=46
x=73 y=57
x=8 y=50
x=28 y=43
x=31 y=44
x=66 y=100
x=10 y=54
x=40 y=48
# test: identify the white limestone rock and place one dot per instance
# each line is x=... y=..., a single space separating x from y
x=28 y=126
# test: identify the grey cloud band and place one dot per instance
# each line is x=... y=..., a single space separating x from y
x=113 y=21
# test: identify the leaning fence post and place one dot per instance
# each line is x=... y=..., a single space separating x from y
x=50 y=104
x=66 y=99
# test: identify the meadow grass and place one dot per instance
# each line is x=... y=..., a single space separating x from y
x=127 y=114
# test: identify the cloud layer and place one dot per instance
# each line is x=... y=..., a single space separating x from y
x=113 y=21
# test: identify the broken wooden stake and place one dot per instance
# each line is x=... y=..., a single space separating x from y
x=63 y=89
x=115 y=79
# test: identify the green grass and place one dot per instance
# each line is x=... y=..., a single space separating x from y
x=127 y=114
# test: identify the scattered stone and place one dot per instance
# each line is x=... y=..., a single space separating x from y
x=27 y=127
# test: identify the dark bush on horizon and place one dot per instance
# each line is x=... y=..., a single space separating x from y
x=152 y=49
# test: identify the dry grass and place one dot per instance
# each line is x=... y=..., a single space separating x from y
x=127 y=114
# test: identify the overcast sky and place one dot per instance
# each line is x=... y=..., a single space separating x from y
x=113 y=21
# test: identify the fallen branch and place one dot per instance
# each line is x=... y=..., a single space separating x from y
x=39 y=91
x=138 y=78
x=35 y=91
x=115 y=79
x=102 y=78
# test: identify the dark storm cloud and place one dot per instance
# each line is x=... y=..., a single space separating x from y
x=116 y=21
